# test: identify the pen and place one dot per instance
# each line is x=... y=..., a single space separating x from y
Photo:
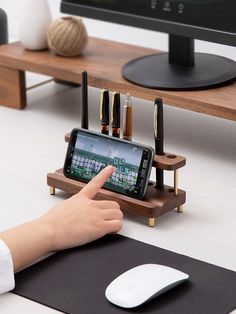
x=115 y=114
x=104 y=111
x=84 y=111
x=159 y=138
x=127 y=121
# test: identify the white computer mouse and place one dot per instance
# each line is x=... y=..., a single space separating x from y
x=142 y=283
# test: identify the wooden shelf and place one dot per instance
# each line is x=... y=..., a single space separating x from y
x=103 y=60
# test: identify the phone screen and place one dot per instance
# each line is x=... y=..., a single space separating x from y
x=91 y=152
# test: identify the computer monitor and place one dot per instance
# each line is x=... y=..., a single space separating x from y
x=184 y=21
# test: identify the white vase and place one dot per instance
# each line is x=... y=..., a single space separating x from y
x=34 y=18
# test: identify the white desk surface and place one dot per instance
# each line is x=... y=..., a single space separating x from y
x=32 y=144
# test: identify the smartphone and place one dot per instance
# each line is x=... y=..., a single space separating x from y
x=89 y=152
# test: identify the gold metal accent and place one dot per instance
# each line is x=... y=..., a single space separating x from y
x=112 y=106
x=52 y=190
x=176 y=179
x=101 y=103
x=152 y=222
x=180 y=209
x=127 y=119
x=39 y=84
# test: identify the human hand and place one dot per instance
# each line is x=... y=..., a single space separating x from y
x=80 y=219
x=76 y=221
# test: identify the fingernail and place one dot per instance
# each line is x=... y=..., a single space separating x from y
x=110 y=167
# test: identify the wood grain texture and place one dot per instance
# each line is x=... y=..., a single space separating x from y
x=153 y=205
x=168 y=161
x=103 y=59
x=12 y=88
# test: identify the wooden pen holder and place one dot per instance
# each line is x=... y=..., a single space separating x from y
x=155 y=203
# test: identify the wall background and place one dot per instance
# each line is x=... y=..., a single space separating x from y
x=116 y=32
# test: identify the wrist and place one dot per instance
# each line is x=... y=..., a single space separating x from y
x=46 y=235
x=27 y=242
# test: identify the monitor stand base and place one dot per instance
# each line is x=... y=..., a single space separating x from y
x=155 y=71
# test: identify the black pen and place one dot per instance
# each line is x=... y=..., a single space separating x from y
x=84 y=111
x=104 y=111
x=159 y=139
x=115 y=114
x=127 y=120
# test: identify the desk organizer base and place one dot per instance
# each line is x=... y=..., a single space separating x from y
x=153 y=205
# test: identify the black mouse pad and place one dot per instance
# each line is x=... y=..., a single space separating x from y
x=74 y=281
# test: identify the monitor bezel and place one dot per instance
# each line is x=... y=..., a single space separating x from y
x=169 y=27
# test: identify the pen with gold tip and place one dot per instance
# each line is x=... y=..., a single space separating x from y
x=127 y=119
x=115 y=114
x=159 y=139
x=104 y=111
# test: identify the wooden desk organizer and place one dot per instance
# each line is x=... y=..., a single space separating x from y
x=156 y=202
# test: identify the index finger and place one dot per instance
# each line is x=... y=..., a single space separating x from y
x=91 y=189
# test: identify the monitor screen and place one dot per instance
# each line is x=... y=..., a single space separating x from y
x=184 y=21
x=214 y=14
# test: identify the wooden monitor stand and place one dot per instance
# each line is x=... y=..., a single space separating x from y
x=103 y=60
